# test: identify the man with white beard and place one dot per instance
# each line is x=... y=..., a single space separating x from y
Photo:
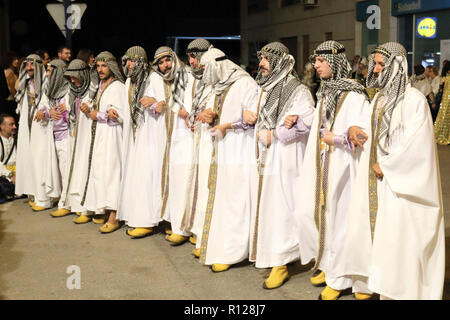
x=226 y=228
x=396 y=239
x=284 y=113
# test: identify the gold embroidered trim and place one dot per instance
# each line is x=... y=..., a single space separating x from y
x=212 y=178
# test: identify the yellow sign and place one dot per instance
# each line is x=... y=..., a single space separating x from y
x=427 y=27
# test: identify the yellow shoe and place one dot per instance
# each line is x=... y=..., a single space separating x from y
x=318 y=280
x=82 y=219
x=193 y=240
x=99 y=220
x=37 y=208
x=60 y=213
x=109 y=227
x=196 y=253
x=219 y=267
x=330 y=294
x=31 y=203
x=363 y=296
x=139 y=232
x=278 y=276
x=176 y=239
x=78 y=213
x=168 y=232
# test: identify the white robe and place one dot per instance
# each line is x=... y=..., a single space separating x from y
x=180 y=156
x=137 y=205
x=107 y=163
x=24 y=166
x=229 y=229
x=78 y=162
x=407 y=257
x=342 y=165
x=275 y=242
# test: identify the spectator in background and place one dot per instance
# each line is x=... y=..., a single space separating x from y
x=64 y=53
x=10 y=63
x=7 y=157
x=355 y=65
x=45 y=57
x=419 y=81
x=86 y=55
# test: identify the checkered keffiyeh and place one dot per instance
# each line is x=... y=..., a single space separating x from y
x=57 y=84
x=138 y=77
x=80 y=70
x=392 y=82
x=280 y=83
x=39 y=78
x=331 y=89
x=178 y=74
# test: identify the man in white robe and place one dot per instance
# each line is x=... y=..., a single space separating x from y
x=78 y=75
x=226 y=228
x=169 y=85
x=199 y=95
x=396 y=239
x=136 y=206
x=29 y=94
x=56 y=112
x=109 y=129
x=325 y=186
x=284 y=113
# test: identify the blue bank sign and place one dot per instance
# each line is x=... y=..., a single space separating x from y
x=402 y=7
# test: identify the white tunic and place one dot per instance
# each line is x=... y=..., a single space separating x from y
x=24 y=165
x=107 y=165
x=137 y=205
x=80 y=141
x=275 y=241
x=228 y=233
x=406 y=259
x=8 y=148
x=341 y=170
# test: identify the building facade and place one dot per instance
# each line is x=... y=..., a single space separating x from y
x=422 y=26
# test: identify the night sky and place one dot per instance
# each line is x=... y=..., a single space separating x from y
x=106 y=25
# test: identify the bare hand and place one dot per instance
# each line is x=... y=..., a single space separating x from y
x=182 y=113
x=188 y=124
x=93 y=115
x=249 y=117
x=378 y=173
x=39 y=116
x=147 y=101
x=13 y=179
x=85 y=108
x=113 y=115
x=265 y=136
x=220 y=130
x=290 y=121
x=357 y=137
x=160 y=107
x=328 y=137
x=55 y=115
x=209 y=116
x=61 y=108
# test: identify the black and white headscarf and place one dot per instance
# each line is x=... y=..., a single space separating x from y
x=392 y=82
x=331 y=89
x=39 y=78
x=80 y=70
x=280 y=83
x=197 y=48
x=220 y=72
x=111 y=62
x=58 y=85
x=178 y=74
x=138 y=77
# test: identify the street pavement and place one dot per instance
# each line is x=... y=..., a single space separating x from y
x=37 y=251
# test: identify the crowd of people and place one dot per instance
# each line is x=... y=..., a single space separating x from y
x=272 y=169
